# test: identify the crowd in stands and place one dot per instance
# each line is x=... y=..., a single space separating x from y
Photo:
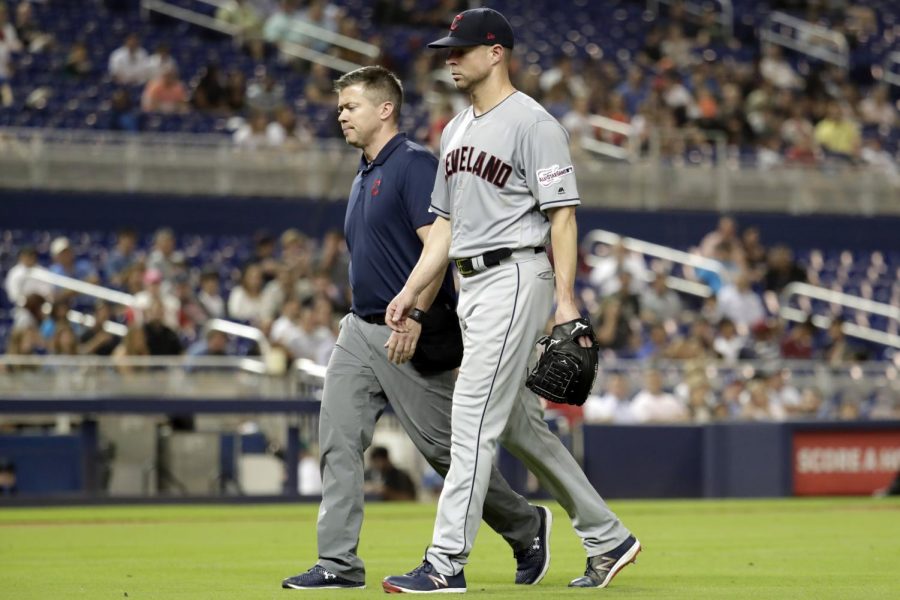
x=686 y=77
x=295 y=289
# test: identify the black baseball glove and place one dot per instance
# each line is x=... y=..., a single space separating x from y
x=565 y=372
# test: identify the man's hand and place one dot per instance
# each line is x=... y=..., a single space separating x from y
x=402 y=346
x=395 y=316
x=565 y=312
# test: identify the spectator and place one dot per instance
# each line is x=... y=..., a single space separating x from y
x=333 y=259
x=613 y=406
x=161 y=340
x=728 y=343
x=264 y=94
x=782 y=269
x=725 y=232
x=776 y=70
x=653 y=405
x=756 y=404
x=838 y=349
x=658 y=302
x=66 y=263
x=247 y=22
x=133 y=344
x=165 y=94
x=634 y=90
x=235 y=91
x=252 y=135
x=153 y=293
x=799 y=342
x=325 y=15
x=578 y=125
x=837 y=133
x=209 y=296
x=784 y=397
x=209 y=95
x=129 y=64
x=213 y=343
x=276 y=292
x=286 y=24
x=763 y=344
x=754 y=252
x=58 y=317
x=245 y=303
x=877 y=109
x=564 y=71
x=64 y=342
x=18 y=285
x=386 y=481
x=319 y=88
x=28 y=30
x=160 y=62
x=605 y=273
x=286 y=132
x=30 y=314
x=96 y=340
x=164 y=256
x=123 y=255
x=9 y=45
x=302 y=333
x=78 y=63
x=123 y=116
x=617 y=315
x=655 y=345
x=740 y=303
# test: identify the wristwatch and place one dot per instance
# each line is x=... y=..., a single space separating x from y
x=416 y=315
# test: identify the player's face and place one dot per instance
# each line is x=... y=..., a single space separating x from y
x=358 y=115
x=469 y=66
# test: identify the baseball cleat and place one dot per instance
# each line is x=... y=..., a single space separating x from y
x=602 y=568
x=533 y=562
x=320 y=578
x=425 y=580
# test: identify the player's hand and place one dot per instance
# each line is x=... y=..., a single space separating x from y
x=395 y=316
x=402 y=346
x=565 y=312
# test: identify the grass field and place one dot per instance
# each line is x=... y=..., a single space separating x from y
x=785 y=549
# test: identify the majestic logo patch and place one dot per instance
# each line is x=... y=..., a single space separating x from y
x=547 y=177
x=561 y=191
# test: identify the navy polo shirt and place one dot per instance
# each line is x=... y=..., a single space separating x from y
x=389 y=201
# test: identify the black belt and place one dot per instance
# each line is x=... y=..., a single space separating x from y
x=376 y=319
x=467 y=266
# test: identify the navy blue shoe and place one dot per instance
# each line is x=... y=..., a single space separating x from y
x=320 y=578
x=602 y=568
x=533 y=562
x=425 y=580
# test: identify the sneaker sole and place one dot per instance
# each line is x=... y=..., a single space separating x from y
x=548 y=521
x=390 y=588
x=627 y=558
x=289 y=586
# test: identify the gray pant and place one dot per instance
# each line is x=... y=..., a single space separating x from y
x=358 y=385
x=503 y=310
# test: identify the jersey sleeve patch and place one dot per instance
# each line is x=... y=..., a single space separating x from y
x=554 y=174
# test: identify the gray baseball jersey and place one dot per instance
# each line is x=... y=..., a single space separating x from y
x=498 y=172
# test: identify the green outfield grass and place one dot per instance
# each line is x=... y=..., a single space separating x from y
x=784 y=549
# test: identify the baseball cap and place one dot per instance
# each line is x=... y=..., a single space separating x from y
x=58 y=245
x=477 y=27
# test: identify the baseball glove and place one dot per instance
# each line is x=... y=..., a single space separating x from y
x=565 y=372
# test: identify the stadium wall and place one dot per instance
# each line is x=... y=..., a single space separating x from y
x=235 y=216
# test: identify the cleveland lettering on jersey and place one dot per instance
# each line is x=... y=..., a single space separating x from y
x=467 y=159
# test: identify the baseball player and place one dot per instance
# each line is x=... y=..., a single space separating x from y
x=505 y=184
x=386 y=222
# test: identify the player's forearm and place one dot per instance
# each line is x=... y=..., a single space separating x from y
x=433 y=262
x=426 y=298
x=564 y=241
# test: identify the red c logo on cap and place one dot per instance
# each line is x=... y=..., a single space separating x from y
x=491 y=36
x=455 y=22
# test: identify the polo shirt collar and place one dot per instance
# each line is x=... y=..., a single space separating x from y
x=383 y=155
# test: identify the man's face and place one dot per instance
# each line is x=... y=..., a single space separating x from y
x=358 y=115
x=469 y=66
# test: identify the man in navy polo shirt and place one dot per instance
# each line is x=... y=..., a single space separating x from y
x=386 y=225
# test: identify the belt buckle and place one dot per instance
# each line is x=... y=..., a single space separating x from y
x=463 y=265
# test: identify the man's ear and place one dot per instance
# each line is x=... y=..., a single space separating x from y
x=387 y=111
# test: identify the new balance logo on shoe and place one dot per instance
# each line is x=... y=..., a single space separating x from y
x=438 y=580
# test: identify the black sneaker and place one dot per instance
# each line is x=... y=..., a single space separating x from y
x=425 y=580
x=320 y=578
x=533 y=562
x=602 y=568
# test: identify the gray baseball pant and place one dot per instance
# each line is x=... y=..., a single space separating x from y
x=358 y=385
x=503 y=310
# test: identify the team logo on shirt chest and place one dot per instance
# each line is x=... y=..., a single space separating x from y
x=467 y=159
x=376 y=187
